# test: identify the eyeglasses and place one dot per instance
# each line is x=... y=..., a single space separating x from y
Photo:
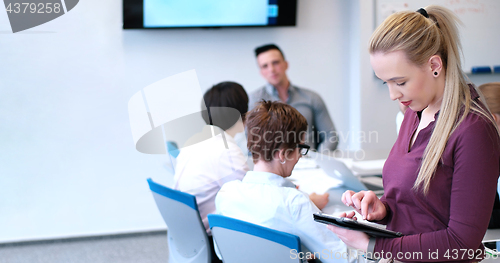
x=303 y=148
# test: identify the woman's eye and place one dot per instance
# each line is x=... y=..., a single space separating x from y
x=385 y=82
x=401 y=84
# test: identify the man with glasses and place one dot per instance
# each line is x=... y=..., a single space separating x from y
x=265 y=197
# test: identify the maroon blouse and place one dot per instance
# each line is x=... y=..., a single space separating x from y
x=452 y=219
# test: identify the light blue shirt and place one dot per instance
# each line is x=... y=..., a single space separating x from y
x=271 y=201
x=321 y=133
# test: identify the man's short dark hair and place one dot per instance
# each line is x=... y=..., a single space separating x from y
x=225 y=94
x=267 y=47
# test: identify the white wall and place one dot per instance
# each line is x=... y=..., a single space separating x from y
x=378 y=112
x=68 y=166
x=314 y=49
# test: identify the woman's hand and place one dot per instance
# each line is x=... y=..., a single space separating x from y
x=355 y=239
x=319 y=200
x=366 y=203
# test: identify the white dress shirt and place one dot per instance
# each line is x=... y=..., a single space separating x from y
x=271 y=201
x=204 y=167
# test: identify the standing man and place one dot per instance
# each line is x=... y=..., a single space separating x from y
x=321 y=133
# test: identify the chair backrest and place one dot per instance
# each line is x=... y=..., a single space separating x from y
x=187 y=237
x=239 y=242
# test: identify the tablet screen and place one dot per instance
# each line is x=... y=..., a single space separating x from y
x=344 y=222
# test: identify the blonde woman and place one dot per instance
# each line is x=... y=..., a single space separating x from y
x=441 y=174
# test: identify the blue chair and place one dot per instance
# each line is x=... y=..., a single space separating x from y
x=187 y=238
x=172 y=148
x=240 y=242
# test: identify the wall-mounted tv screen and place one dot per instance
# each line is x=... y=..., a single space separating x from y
x=208 y=13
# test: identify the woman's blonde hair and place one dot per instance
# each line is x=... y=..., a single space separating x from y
x=420 y=38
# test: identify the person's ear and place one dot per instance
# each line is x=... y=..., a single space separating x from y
x=496 y=117
x=282 y=156
x=289 y=153
x=436 y=65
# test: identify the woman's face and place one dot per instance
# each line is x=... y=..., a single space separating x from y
x=414 y=86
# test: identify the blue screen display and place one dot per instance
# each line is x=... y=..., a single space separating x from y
x=207 y=13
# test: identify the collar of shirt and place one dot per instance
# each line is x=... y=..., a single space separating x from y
x=253 y=177
x=217 y=133
x=274 y=92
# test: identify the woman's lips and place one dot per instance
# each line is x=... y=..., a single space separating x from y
x=406 y=103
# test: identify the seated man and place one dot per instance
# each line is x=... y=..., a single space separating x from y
x=265 y=197
x=272 y=64
x=203 y=167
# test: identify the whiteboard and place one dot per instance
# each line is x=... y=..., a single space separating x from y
x=480 y=33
